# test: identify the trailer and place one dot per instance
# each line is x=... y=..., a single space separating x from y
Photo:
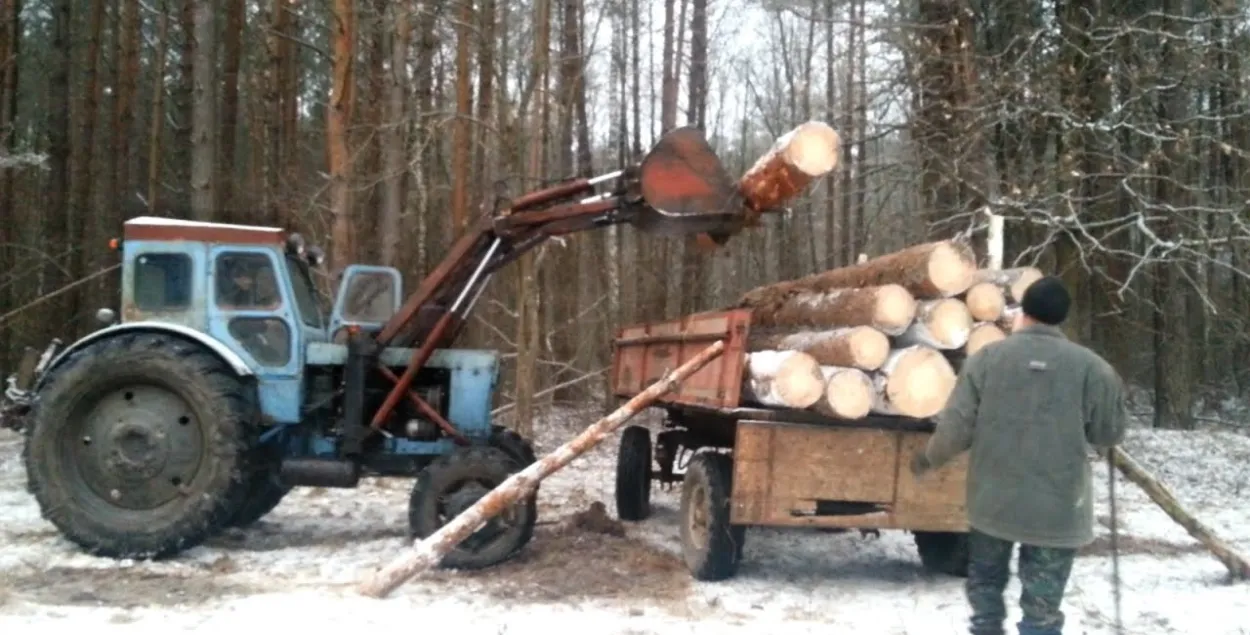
x=753 y=466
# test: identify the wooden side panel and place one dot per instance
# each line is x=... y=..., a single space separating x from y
x=643 y=354
x=789 y=474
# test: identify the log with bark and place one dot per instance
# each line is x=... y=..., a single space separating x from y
x=914 y=382
x=943 y=324
x=795 y=159
x=985 y=301
x=982 y=335
x=1013 y=281
x=1007 y=322
x=430 y=551
x=933 y=270
x=856 y=347
x=848 y=393
x=888 y=308
x=782 y=379
x=1237 y=564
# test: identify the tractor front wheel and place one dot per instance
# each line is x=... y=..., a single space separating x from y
x=452 y=484
x=139 y=447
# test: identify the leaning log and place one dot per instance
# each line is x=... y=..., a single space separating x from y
x=914 y=382
x=888 y=308
x=1237 y=564
x=848 y=393
x=782 y=379
x=429 y=552
x=985 y=301
x=860 y=347
x=943 y=324
x=933 y=270
x=1012 y=281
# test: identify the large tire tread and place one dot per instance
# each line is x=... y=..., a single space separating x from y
x=720 y=557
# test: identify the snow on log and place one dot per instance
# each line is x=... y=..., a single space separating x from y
x=430 y=551
x=985 y=301
x=848 y=393
x=983 y=333
x=943 y=324
x=1013 y=281
x=889 y=308
x=795 y=159
x=782 y=379
x=856 y=347
x=1237 y=564
x=933 y=270
x=914 y=382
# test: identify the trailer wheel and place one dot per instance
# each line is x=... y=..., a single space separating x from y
x=943 y=552
x=139 y=447
x=633 y=474
x=712 y=547
x=452 y=484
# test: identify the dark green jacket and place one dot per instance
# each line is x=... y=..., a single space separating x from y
x=1028 y=407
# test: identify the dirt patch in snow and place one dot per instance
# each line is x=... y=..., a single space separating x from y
x=121 y=587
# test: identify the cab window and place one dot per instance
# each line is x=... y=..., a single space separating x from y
x=162 y=282
x=246 y=281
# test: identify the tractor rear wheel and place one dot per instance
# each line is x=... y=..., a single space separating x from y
x=452 y=484
x=139 y=446
x=265 y=489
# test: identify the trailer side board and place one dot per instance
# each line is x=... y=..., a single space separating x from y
x=643 y=353
x=802 y=475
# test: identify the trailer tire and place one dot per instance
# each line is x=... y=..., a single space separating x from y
x=943 y=552
x=633 y=474
x=139 y=447
x=711 y=546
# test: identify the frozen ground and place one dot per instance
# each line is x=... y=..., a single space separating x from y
x=297 y=567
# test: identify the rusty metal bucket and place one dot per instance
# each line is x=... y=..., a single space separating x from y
x=686 y=188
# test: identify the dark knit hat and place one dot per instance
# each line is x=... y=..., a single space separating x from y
x=1047 y=301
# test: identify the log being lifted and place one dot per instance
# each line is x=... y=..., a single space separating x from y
x=430 y=551
x=982 y=335
x=856 y=347
x=943 y=324
x=795 y=159
x=933 y=270
x=1013 y=281
x=914 y=382
x=848 y=393
x=888 y=308
x=985 y=301
x=782 y=379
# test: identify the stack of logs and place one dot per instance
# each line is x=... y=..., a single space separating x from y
x=884 y=336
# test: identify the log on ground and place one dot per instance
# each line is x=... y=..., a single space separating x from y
x=985 y=301
x=430 y=551
x=889 y=308
x=795 y=159
x=914 y=382
x=856 y=347
x=782 y=379
x=982 y=335
x=1237 y=564
x=1012 y=281
x=933 y=270
x=848 y=393
x=943 y=324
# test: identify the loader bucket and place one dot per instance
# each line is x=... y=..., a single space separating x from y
x=686 y=188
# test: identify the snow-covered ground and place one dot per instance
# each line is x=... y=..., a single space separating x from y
x=298 y=567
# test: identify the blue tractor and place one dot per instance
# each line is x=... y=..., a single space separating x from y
x=226 y=381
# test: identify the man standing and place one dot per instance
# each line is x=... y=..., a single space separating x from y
x=1026 y=408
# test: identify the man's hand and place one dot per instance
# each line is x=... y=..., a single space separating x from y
x=919 y=463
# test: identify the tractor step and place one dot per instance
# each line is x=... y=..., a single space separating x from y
x=320 y=472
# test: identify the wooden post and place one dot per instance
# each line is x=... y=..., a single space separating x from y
x=1238 y=566
x=430 y=551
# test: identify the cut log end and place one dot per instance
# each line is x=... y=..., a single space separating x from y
x=784 y=379
x=920 y=382
x=1028 y=275
x=895 y=309
x=985 y=301
x=869 y=347
x=848 y=393
x=952 y=268
x=813 y=149
x=982 y=335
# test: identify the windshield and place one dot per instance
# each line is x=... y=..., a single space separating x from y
x=310 y=306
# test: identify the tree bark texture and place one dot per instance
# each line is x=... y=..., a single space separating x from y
x=860 y=347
